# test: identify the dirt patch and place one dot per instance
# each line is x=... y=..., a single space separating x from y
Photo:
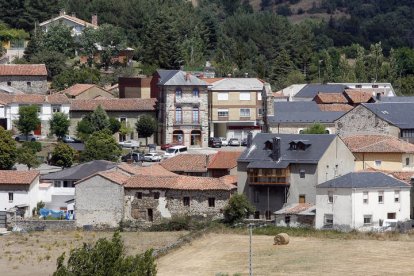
x=228 y=253
x=36 y=253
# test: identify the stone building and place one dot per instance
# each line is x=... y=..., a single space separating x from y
x=86 y=91
x=28 y=78
x=183 y=108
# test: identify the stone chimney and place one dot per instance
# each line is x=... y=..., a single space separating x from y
x=249 y=139
x=73 y=14
x=62 y=12
x=276 y=148
x=94 y=19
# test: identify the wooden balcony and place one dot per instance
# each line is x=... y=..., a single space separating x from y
x=269 y=176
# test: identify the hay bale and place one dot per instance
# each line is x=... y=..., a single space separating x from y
x=281 y=239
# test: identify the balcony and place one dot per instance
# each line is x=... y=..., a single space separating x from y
x=188 y=100
x=186 y=123
x=269 y=176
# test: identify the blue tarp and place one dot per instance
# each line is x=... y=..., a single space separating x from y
x=47 y=212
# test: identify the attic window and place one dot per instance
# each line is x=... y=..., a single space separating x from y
x=302 y=173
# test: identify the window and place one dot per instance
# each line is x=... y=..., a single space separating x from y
x=375 y=86
x=178 y=115
x=259 y=96
x=9 y=83
x=407 y=161
x=391 y=216
x=358 y=86
x=328 y=220
x=244 y=96
x=365 y=197
x=330 y=197
x=10 y=197
x=223 y=96
x=68 y=184
x=196 y=93
x=211 y=202
x=287 y=220
x=156 y=195
x=138 y=195
x=122 y=119
x=186 y=201
x=39 y=109
x=56 y=184
x=302 y=199
x=29 y=83
x=396 y=196
x=378 y=163
x=367 y=219
x=55 y=108
x=302 y=173
x=407 y=133
x=195 y=115
x=244 y=112
x=256 y=196
x=178 y=93
x=381 y=197
x=223 y=113
x=260 y=112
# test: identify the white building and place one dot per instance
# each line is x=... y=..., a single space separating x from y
x=76 y=25
x=362 y=201
x=383 y=88
x=19 y=190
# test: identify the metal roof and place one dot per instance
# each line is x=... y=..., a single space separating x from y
x=80 y=171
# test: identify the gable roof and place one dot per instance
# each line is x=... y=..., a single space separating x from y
x=224 y=160
x=398 y=114
x=77 y=89
x=364 y=180
x=186 y=163
x=312 y=89
x=130 y=104
x=23 y=70
x=297 y=209
x=154 y=170
x=10 y=177
x=80 y=171
x=377 y=143
x=260 y=157
x=335 y=107
x=70 y=18
x=359 y=95
x=330 y=98
x=237 y=84
x=178 y=77
x=34 y=99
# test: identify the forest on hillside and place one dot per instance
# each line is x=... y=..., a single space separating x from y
x=359 y=41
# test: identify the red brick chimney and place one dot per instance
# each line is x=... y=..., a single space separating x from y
x=95 y=20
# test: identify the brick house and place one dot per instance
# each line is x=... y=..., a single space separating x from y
x=28 y=78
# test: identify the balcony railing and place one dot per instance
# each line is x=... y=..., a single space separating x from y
x=269 y=176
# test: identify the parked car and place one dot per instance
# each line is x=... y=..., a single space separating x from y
x=224 y=141
x=214 y=142
x=134 y=156
x=173 y=151
x=70 y=139
x=129 y=144
x=22 y=137
x=234 y=142
x=243 y=142
x=152 y=157
x=169 y=145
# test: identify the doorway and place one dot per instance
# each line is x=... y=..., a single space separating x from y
x=150 y=215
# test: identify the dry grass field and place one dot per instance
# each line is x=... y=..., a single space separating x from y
x=228 y=254
x=36 y=253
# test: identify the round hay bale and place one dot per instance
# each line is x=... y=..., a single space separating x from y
x=281 y=239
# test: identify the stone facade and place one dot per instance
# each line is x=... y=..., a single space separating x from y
x=26 y=84
x=171 y=203
x=41 y=225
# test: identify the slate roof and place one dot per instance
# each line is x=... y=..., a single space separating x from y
x=260 y=157
x=179 y=78
x=237 y=84
x=302 y=112
x=224 y=160
x=80 y=171
x=403 y=176
x=377 y=143
x=10 y=177
x=312 y=89
x=186 y=163
x=23 y=70
x=364 y=180
x=404 y=99
x=398 y=114
x=130 y=104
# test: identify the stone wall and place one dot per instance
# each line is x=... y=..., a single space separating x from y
x=41 y=225
x=38 y=84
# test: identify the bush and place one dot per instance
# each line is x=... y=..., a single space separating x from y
x=34 y=146
x=237 y=209
x=180 y=223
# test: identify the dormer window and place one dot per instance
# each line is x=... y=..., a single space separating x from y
x=269 y=145
x=178 y=93
x=299 y=145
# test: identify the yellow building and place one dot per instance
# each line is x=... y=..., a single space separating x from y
x=381 y=152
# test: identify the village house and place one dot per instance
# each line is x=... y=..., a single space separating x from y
x=47 y=106
x=379 y=88
x=137 y=87
x=76 y=25
x=19 y=190
x=86 y=91
x=362 y=201
x=381 y=152
x=296 y=215
x=277 y=170
x=127 y=111
x=187 y=164
x=28 y=78
x=182 y=108
x=223 y=163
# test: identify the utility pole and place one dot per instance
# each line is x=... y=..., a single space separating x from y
x=250 y=250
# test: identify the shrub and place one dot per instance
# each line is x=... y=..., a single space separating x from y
x=35 y=146
x=237 y=209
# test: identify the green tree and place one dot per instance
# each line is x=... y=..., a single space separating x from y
x=28 y=119
x=99 y=119
x=71 y=76
x=125 y=129
x=55 y=61
x=84 y=128
x=27 y=156
x=146 y=126
x=59 y=124
x=7 y=150
x=360 y=69
x=237 y=209
x=106 y=258
x=101 y=145
x=316 y=128
x=59 y=39
x=63 y=155
x=114 y=125
x=95 y=121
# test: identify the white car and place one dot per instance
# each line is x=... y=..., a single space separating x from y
x=29 y=138
x=152 y=157
x=234 y=142
x=129 y=144
x=224 y=141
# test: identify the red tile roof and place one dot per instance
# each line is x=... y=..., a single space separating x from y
x=224 y=160
x=403 y=176
x=300 y=207
x=358 y=95
x=335 y=107
x=34 y=99
x=377 y=143
x=154 y=170
x=114 y=104
x=330 y=98
x=115 y=176
x=23 y=70
x=17 y=177
x=229 y=179
x=77 y=89
x=186 y=163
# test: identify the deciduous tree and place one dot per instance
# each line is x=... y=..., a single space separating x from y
x=7 y=150
x=62 y=155
x=59 y=124
x=28 y=119
x=101 y=145
x=146 y=126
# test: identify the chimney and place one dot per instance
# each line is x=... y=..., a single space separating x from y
x=95 y=19
x=276 y=148
x=378 y=97
x=73 y=14
x=62 y=12
x=249 y=139
x=246 y=75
